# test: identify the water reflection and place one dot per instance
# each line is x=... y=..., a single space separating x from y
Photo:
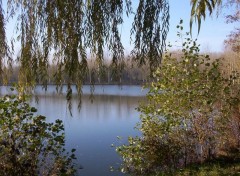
x=94 y=128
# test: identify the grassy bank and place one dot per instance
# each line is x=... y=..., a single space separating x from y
x=220 y=167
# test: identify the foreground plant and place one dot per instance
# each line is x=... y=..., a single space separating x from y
x=191 y=115
x=28 y=144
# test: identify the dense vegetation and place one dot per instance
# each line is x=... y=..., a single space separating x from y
x=191 y=116
x=29 y=145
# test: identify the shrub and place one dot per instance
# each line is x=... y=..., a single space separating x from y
x=188 y=117
x=28 y=144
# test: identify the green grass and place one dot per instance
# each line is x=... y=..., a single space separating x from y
x=220 y=167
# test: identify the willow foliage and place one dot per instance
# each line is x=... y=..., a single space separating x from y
x=199 y=9
x=4 y=49
x=67 y=30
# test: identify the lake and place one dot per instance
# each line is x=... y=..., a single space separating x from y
x=93 y=129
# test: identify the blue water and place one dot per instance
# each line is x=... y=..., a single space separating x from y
x=93 y=129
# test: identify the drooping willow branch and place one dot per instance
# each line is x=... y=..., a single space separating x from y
x=66 y=30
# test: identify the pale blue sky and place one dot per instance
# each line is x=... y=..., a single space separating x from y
x=213 y=30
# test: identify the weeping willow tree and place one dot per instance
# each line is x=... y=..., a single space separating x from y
x=199 y=9
x=66 y=30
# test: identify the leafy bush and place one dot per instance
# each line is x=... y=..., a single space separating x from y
x=28 y=144
x=188 y=117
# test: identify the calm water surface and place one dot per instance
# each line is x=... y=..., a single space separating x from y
x=96 y=126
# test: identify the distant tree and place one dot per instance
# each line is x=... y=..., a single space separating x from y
x=233 y=39
x=71 y=27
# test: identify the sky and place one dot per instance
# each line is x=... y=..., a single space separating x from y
x=213 y=30
x=211 y=37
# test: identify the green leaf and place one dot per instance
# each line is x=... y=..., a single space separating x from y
x=73 y=150
x=33 y=109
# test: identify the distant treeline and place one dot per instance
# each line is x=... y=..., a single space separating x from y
x=130 y=74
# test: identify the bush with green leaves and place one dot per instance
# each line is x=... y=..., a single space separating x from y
x=28 y=144
x=188 y=116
